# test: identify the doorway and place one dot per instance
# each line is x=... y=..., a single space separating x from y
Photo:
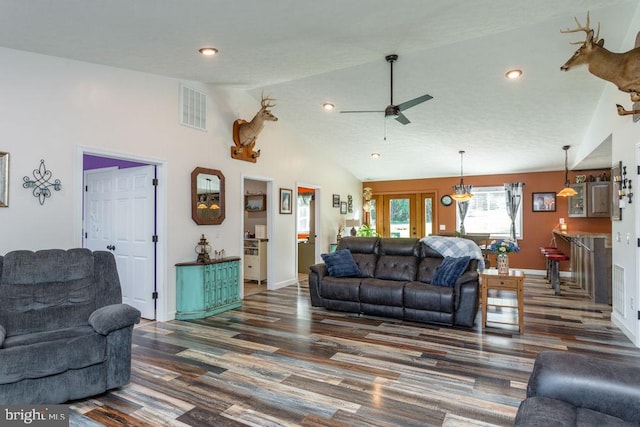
x=306 y=229
x=119 y=213
x=257 y=205
x=406 y=215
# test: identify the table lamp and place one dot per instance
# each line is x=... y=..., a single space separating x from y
x=353 y=223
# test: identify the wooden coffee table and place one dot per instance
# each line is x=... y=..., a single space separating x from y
x=514 y=281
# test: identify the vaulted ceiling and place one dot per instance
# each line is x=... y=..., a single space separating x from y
x=305 y=53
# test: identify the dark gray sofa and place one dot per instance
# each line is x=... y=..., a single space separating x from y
x=64 y=333
x=568 y=389
x=395 y=281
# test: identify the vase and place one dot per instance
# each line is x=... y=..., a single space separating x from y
x=503 y=263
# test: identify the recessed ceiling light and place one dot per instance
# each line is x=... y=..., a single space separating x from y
x=375 y=155
x=328 y=106
x=208 y=51
x=513 y=74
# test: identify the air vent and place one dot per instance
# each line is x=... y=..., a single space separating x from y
x=618 y=293
x=194 y=108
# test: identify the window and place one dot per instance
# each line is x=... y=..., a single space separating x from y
x=304 y=216
x=487 y=213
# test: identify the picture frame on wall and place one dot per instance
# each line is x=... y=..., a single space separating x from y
x=350 y=203
x=286 y=197
x=343 y=208
x=336 y=200
x=543 y=202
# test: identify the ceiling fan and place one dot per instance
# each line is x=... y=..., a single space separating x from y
x=395 y=111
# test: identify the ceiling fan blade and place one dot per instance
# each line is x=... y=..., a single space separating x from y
x=414 y=102
x=363 y=111
x=402 y=119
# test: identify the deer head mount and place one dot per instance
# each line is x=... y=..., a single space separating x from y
x=621 y=69
x=245 y=133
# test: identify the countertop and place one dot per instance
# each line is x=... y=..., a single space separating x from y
x=575 y=236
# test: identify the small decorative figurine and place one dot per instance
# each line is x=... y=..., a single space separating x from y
x=202 y=249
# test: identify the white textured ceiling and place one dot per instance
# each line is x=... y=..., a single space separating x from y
x=304 y=53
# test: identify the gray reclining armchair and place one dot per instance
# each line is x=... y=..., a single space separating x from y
x=64 y=332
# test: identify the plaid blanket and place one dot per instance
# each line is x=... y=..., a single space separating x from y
x=455 y=247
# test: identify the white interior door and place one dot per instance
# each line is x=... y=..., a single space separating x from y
x=119 y=216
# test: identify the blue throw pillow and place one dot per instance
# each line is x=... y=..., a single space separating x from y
x=449 y=270
x=341 y=264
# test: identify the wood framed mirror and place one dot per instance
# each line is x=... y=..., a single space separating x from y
x=207 y=196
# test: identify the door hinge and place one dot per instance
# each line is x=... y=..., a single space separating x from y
x=86 y=235
x=154 y=238
x=639 y=242
x=86 y=188
x=154 y=295
x=154 y=182
x=638 y=171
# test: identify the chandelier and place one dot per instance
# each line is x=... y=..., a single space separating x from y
x=461 y=192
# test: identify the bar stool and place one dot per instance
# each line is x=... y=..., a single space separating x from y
x=555 y=260
x=546 y=251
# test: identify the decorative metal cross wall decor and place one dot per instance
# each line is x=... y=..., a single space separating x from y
x=41 y=183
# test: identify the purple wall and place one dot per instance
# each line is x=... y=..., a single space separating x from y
x=95 y=162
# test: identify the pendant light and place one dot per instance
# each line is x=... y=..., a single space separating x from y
x=567 y=191
x=461 y=192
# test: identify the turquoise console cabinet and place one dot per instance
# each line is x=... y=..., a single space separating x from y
x=207 y=289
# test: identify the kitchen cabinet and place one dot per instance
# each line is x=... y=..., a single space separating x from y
x=255 y=259
x=593 y=200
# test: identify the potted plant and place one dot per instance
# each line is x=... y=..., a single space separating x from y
x=366 y=231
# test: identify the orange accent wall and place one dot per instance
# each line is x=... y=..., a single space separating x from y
x=538 y=226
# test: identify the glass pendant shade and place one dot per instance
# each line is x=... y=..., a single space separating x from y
x=461 y=192
x=567 y=191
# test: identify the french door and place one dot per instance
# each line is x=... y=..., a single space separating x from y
x=406 y=215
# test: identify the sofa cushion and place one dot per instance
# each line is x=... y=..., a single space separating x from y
x=366 y=264
x=423 y=296
x=542 y=411
x=399 y=246
x=397 y=267
x=46 y=290
x=382 y=292
x=341 y=264
x=450 y=270
x=427 y=268
x=360 y=245
x=48 y=353
x=343 y=288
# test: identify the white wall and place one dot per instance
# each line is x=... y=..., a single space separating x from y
x=625 y=137
x=53 y=107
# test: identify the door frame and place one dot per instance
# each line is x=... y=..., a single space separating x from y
x=318 y=248
x=162 y=304
x=416 y=211
x=270 y=209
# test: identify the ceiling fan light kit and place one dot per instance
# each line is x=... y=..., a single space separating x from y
x=395 y=111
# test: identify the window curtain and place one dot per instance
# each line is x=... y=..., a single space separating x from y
x=513 y=193
x=462 y=211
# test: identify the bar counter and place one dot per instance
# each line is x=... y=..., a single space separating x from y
x=590 y=262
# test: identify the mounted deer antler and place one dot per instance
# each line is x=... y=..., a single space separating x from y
x=586 y=28
x=621 y=69
x=245 y=133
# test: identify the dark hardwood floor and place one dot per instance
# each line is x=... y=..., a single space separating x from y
x=279 y=362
